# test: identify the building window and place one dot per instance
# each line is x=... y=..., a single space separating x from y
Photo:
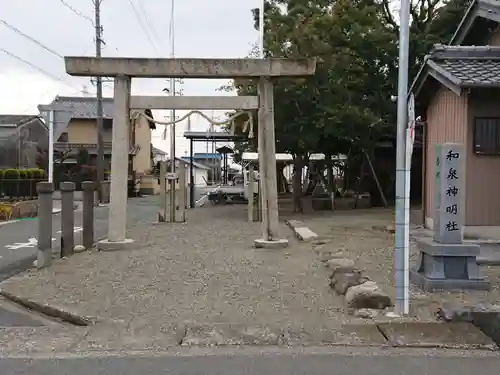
x=486 y=136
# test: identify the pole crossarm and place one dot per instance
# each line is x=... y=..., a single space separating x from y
x=188 y=68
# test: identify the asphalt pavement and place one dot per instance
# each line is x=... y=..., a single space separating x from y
x=18 y=239
x=18 y=248
x=243 y=364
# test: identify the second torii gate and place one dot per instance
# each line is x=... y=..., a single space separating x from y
x=124 y=69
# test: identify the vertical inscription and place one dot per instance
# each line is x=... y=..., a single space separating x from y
x=449 y=182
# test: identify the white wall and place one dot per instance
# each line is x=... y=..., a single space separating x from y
x=200 y=176
x=198 y=173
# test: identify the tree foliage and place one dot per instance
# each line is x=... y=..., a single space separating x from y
x=346 y=107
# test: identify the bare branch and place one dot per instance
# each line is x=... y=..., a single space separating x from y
x=388 y=15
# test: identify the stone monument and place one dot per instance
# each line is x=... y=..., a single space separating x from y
x=445 y=260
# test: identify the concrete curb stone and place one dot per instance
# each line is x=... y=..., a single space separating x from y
x=300 y=231
x=49 y=310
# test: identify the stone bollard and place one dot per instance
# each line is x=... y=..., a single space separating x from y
x=67 y=218
x=88 y=214
x=44 y=240
x=250 y=194
x=105 y=188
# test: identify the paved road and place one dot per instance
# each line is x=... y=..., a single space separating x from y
x=241 y=364
x=139 y=211
x=21 y=258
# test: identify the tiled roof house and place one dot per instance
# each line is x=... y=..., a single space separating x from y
x=458 y=95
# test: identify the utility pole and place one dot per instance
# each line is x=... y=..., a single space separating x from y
x=100 y=125
x=401 y=251
x=172 y=113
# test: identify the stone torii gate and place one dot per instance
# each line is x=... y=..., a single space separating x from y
x=124 y=69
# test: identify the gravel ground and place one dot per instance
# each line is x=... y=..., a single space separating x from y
x=205 y=270
x=359 y=235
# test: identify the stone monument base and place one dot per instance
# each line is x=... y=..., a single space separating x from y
x=448 y=266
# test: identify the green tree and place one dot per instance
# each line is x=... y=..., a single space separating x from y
x=433 y=21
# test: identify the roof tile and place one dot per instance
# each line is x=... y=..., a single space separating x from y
x=473 y=71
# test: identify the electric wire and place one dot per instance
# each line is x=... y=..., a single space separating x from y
x=148 y=22
x=141 y=24
x=54 y=77
x=78 y=13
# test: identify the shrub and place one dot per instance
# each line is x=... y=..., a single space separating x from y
x=20 y=183
x=1 y=183
x=11 y=182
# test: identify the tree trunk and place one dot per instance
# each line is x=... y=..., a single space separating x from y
x=282 y=182
x=297 y=192
x=331 y=188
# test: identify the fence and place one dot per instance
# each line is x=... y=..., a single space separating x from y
x=20 y=184
x=17 y=150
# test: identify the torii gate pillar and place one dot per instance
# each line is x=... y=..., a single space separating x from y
x=267 y=168
x=117 y=221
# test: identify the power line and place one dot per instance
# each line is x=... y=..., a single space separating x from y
x=141 y=23
x=36 y=67
x=149 y=23
x=17 y=31
x=78 y=13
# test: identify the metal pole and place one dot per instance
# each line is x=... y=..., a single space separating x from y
x=191 y=175
x=401 y=273
x=51 y=146
x=100 y=126
x=172 y=117
x=67 y=218
x=261 y=29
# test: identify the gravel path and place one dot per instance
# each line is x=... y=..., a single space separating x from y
x=205 y=271
x=360 y=236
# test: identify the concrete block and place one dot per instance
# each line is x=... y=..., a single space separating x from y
x=305 y=234
x=106 y=245
x=274 y=244
x=439 y=335
x=448 y=266
x=301 y=231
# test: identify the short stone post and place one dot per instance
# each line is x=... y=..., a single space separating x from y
x=67 y=218
x=257 y=216
x=162 y=214
x=250 y=193
x=105 y=186
x=88 y=214
x=446 y=262
x=182 y=196
x=44 y=240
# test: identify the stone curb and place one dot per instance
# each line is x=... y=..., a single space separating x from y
x=48 y=310
x=345 y=277
x=416 y=334
x=300 y=231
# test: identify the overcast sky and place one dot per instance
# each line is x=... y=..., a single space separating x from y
x=203 y=28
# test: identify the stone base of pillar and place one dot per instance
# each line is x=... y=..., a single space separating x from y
x=106 y=245
x=275 y=244
x=448 y=267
